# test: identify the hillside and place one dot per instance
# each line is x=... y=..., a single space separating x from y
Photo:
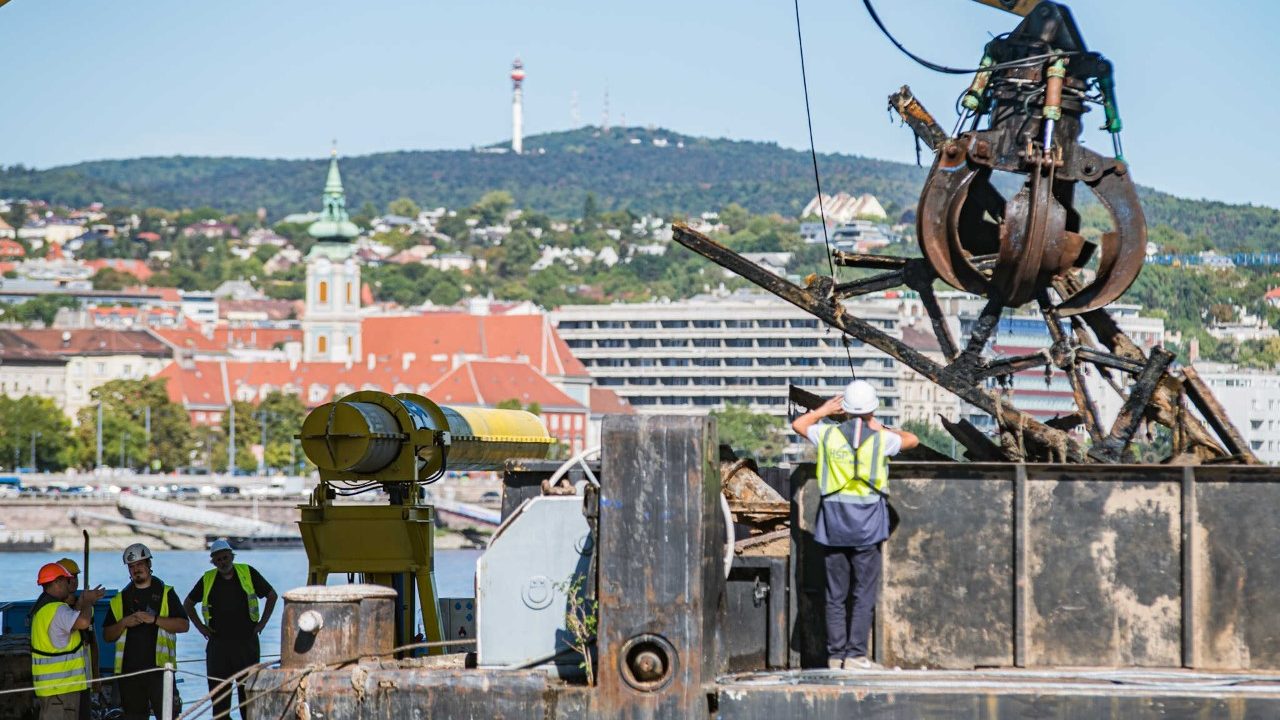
x=638 y=169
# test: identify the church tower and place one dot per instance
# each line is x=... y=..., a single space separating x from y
x=331 y=325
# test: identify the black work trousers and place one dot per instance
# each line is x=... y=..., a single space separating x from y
x=853 y=582
x=225 y=657
x=142 y=696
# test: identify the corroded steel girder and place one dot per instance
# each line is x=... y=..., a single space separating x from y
x=1155 y=395
x=960 y=377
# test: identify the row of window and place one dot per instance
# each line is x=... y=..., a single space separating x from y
x=705 y=381
x=714 y=362
x=732 y=342
x=802 y=323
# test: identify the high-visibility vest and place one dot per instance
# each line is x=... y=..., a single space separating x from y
x=246 y=584
x=55 y=670
x=166 y=642
x=847 y=476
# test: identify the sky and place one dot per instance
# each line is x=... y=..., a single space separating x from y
x=90 y=80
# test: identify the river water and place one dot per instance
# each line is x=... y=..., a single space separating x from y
x=284 y=569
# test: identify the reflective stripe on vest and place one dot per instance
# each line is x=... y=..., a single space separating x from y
x=166 y=642
x=246 y=584
x=55 y=670
x=838 y=481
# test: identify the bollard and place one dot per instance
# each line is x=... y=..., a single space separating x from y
x=166 y=697
x=335 y=623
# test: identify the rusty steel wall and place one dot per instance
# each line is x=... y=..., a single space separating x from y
x=997 y=565
x=662 y=572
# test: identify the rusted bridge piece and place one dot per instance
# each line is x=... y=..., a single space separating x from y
x=1156 y=395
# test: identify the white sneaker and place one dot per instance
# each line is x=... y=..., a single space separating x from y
x=861 y=663
x=835 y=663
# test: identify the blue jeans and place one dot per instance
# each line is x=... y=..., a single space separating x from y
x=853 y=583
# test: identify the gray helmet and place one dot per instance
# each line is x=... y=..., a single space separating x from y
x=136 y=552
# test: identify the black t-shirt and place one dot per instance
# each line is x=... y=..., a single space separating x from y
x=140 y=642
x=230 y=604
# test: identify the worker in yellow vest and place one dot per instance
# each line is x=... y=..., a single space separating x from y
x=228 y=596
x=143 y=620
x=88 y=636
x=853 y=515
x=59 y=657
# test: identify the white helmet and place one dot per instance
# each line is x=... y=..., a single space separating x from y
x=860 y=398
x=136 y=552
x=219 y=545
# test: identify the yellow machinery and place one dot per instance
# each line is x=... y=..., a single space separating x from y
x=400 y=443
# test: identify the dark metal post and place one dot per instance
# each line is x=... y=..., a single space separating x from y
x=662 y=566
x=98 y=463
x=1188 y=567
x=1020 y=565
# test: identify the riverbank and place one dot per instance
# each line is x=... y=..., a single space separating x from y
x=64 y=517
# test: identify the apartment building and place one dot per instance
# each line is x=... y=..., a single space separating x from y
x=1252 y=400
x=697 y=355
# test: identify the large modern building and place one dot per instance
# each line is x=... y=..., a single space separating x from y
x=698 y=355
x=1252 y=401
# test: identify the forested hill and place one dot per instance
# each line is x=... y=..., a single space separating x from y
x=640 y=169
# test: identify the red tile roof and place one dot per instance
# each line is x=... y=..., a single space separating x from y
x=16 y=349
x=95 y=341
x=224 y=339
x=11 y=248
x=489 y=382
x=607 y=402
x=136 y=268
x=442 y=335
x=167 y=294
x=209 y=382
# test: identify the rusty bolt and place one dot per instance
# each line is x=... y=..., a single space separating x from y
x=982 y=149
x=951 y=150
x=648 y=666
x=1121 y=169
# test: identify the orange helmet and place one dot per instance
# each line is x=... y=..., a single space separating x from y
x=51 y=572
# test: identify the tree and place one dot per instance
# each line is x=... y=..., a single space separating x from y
x=933 y=436
x=735 y=216
x=494 y=206
x=247 y=436
x=124 y=435
x=111 y=279
x=37 y=423
x=284 y=414
x=751 y=434
x=42 y=309
x=590 y=211
x=404 y=206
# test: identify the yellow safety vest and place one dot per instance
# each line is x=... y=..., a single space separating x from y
x=246 y=583
x=166 y=642
x=56 y=670
x=846 y=476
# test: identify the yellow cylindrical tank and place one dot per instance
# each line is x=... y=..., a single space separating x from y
x=375 y=436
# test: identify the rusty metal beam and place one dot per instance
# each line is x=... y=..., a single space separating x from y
x=1011 y=365
x=919 y=277
x=872 y=284
x=1202 y=397
x=869 y=262
x=1107 y=360
x=1166 y=405
x=956 y=378
x=1065 y=355
x=1112 y=447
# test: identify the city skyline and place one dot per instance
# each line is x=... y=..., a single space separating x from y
x=280 y=80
